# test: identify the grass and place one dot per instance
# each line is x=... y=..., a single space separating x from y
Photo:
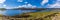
x=36 y=15
x=41 y=15
x=1 y=16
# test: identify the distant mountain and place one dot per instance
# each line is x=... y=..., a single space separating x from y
x=24 y=9
x=55 y=9
x=30 y=8
x=2 y=9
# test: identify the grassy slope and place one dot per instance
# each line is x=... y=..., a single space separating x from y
x=1 y=16
x=41 y=14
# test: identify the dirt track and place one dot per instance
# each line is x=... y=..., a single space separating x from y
x=56 y=17
x=0 y=18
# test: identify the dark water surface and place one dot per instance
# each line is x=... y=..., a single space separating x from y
x=10 y=12
x=15 y=12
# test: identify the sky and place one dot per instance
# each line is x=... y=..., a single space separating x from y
x=8 y=4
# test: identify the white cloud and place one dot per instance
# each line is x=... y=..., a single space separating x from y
x=56 y=5
x=20 y=0
x=21 y=6
x=25 y=2
x=44 y=1
x=58 y=0
x=27 y=6
x=4 y=5
x=2 y=1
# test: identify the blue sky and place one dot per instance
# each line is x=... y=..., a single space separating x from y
x=26 y=3
x=9 y=4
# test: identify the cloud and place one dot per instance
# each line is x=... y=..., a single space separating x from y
x=20 y=0
x=28 y=6
x=56 y=5
x=44 y=1
x=58 y=0
x=20 y=6
x=25 y=2
x=2 y=1
x=3 y=6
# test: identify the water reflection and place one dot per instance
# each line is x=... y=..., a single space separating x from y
x=2 y=12
x=16 y=12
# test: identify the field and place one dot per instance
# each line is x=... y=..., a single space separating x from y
x=38 y=15
x=41 y=15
